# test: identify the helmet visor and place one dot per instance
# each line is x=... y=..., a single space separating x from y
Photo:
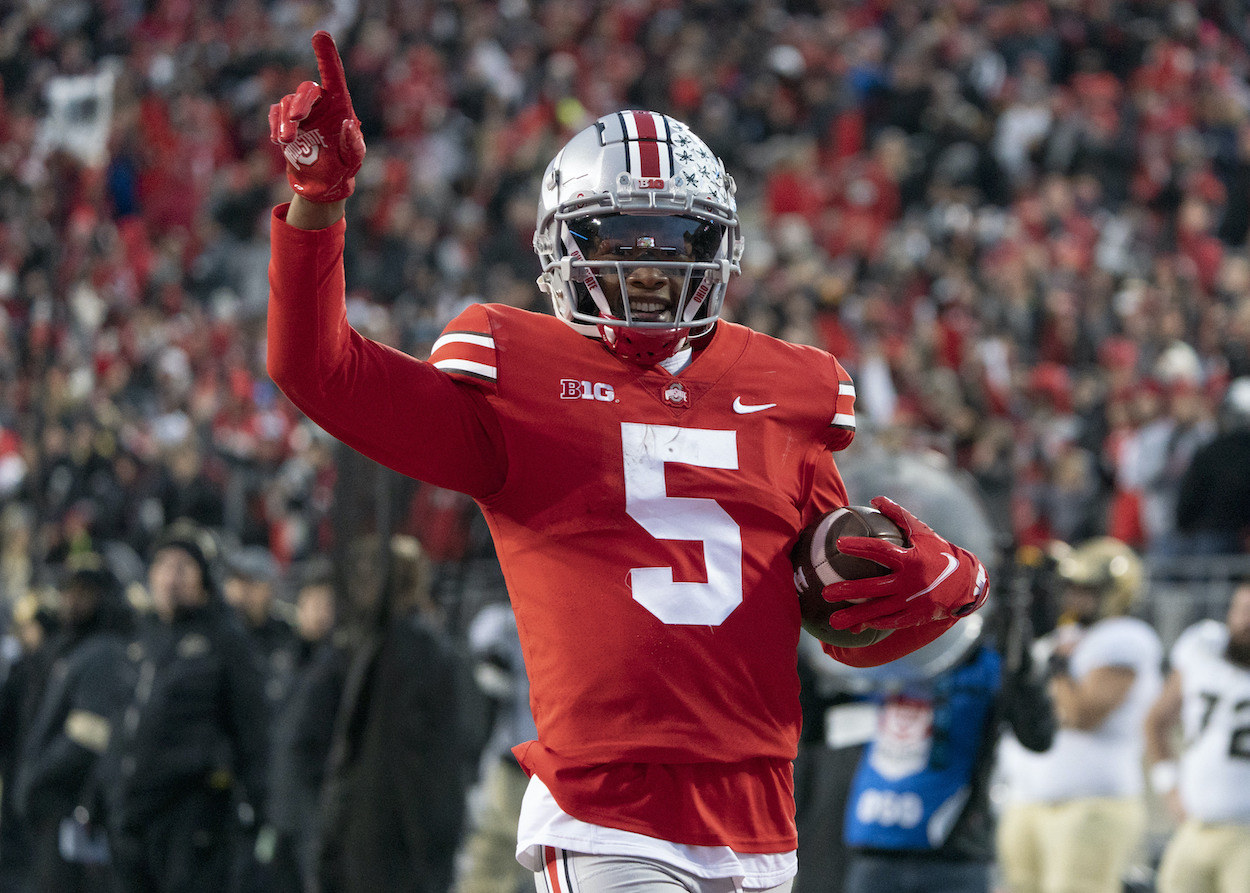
x=622 y=237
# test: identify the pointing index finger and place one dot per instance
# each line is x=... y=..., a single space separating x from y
x=329 y=64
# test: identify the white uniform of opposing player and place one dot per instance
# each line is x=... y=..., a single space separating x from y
x=1077 y=811
x=1101 y=762
x=1215 y=767
x=1208 y=692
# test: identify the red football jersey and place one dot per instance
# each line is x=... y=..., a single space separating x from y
x=643 y=523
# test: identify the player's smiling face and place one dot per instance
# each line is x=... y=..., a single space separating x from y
x=653 y=293
x=628 y=243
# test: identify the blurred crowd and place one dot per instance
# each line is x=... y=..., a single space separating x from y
x=1022 y=226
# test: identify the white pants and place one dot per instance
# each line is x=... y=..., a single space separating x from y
x=580 y=873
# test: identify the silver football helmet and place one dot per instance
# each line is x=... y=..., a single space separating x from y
x=637 y=191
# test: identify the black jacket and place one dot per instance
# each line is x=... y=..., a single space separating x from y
x=409 y=731
x=1214 y=494
x=197 y=717
x=71 y=727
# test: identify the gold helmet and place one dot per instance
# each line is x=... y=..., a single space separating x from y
x=1107 y=565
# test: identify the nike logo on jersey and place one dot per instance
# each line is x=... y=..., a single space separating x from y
x=744 y=408
x=951 y=563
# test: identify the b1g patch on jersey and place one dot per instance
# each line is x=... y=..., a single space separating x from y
x=572 y=389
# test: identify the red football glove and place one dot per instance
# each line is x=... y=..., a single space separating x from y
x=930 y=580
x=318 y=131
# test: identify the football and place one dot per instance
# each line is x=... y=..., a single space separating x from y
x=817 y=563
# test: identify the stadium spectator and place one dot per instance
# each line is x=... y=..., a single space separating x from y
x=315 y=612
x=1160 y=452
x=408 y=727
x=25 y=678
x=304 y=733
x=1213 y=498
x=186 y=769
x=250 y=587
x=57 y=784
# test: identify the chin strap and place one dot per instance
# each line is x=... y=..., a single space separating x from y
x=708 y=282
x=695 y=303
x=588 y=278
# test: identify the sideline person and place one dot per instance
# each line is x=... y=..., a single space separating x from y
x=186 y=779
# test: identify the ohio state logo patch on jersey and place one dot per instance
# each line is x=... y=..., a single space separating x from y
x=676 y=394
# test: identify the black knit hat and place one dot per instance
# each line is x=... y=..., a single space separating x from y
x=90 y=571
x=197 y=542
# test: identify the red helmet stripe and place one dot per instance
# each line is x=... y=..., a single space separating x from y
x=646 y=143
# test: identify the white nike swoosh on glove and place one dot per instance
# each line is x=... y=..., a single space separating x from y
x=951 y=563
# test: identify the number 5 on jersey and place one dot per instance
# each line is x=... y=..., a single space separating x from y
x=646 y=450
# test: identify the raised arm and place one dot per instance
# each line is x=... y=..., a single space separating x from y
x=320 y=137
x=391 y=407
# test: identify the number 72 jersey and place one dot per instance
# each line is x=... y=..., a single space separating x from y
x=1215 y=718
x=644 y=524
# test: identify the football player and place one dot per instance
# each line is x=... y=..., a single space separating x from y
x=1206 y=695
x=644 y=468
x=1076 y=813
